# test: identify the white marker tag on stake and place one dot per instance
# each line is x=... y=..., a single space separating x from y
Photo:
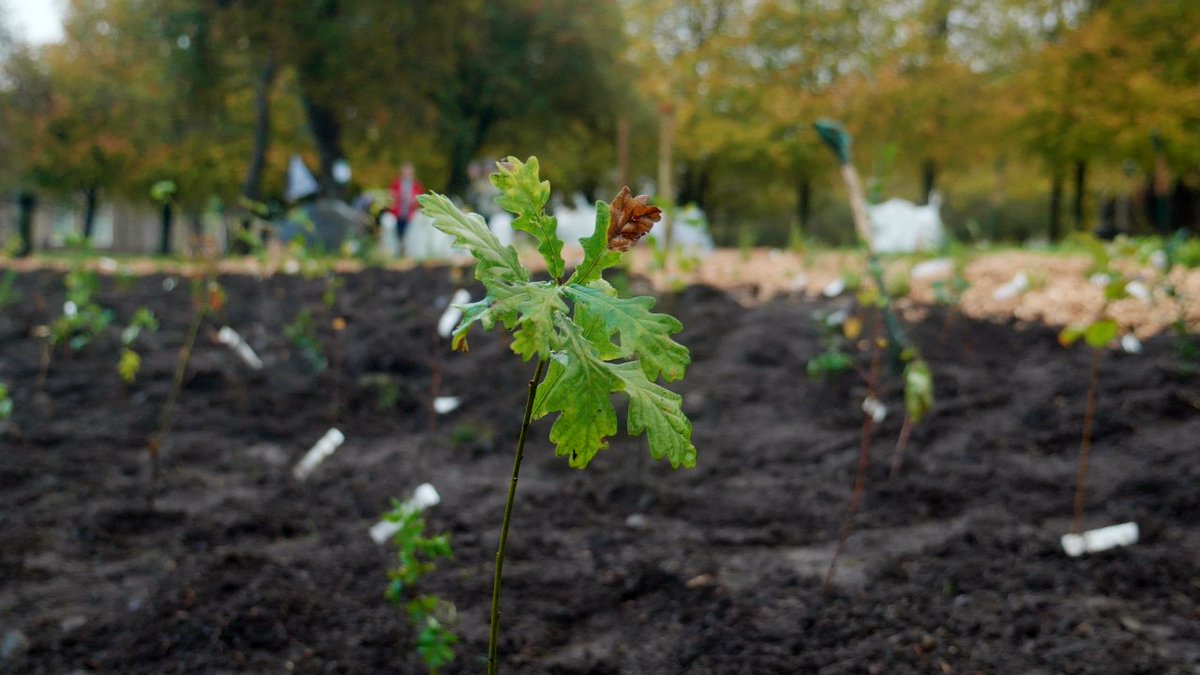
x=834 y=288
x=932 y=268
x=1019 y=283
x=1102 y=539
x=230 y=338
x=1131 y=344
x=1138 y=290
x=423 y=497
x=453 y=315
x=445 y=404
x=325 y=447
x=875 y=408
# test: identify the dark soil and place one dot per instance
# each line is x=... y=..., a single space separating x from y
x=955 y=565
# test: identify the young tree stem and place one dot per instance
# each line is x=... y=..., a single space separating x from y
x=1085 y=442
x=494 y=628
x=864 y=454
x=901 y=446
x=168 y=413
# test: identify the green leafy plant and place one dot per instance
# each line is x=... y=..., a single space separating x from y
x=416 y=554
x=588 y=342
x=838 y=330
x=888 y=334
x=1097 y=335
x=302 y=332
x=130 y=361
x=83 y=319
x=9 y=295
x=6 y=403
x=207 y=298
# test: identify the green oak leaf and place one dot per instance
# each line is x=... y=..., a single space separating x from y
x=529 y=309
x=577 y=385
x=495 y=260
x=658 y=412
x=596 y=255
x=1100 y=334
x=480 y=311
x=595 y=331
x=524 y=194
x=1070 y=335
x=643 y=333
x=918 y=390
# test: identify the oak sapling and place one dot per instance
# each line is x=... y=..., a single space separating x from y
x=416 y=555
x=130 y=361
x=1098 y=335
x=888 y=334
x=568 y=325
x=207 y=298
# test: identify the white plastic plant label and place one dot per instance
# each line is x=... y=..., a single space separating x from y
x=834 y=288
x=230 y=338
x=1139 y=290
x=453 y=314
x=445 y=404
x=1018 y=285
x=929 y=269
x=329 y=443
x=875 y=408
x=1102 y=539
x=424 y=497
x=1131 y=344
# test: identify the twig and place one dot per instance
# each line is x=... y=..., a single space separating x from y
x=494 y=628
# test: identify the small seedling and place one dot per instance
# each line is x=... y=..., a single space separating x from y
x=9 y=295
x=888 y=334
x=568 y=324
x=207 y=297
x=838 y=331
x=6 y=403
x=1098 y=335
x=131 y=362
x=416 y=556
x=302 y=331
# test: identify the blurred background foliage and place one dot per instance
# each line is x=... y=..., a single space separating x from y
x=1026 y=114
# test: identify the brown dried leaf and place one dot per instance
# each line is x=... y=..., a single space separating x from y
x=629 y=219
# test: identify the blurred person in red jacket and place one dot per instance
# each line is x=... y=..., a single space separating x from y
x=405 y=190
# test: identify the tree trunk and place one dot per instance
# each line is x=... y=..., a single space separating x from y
x=327 y=133
x=90 y=196
x=1056 y=194
x=26 y=205
x=1077 y=207
x=928 y=179
x=168 y=214
x=262 y=132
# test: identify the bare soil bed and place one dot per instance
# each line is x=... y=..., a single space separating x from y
x=955 y=566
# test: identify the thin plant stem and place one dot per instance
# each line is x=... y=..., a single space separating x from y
x=901 y=445
x=864 y=455
x=494 y=628
x=168 y=413
x=1085 y=442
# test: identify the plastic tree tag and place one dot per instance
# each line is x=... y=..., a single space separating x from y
x=1094 y=541
x=453 y=313
x=329 y=443
x=445 y=404
x=424 y=497
x=1018 y=285
x=230 y=338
